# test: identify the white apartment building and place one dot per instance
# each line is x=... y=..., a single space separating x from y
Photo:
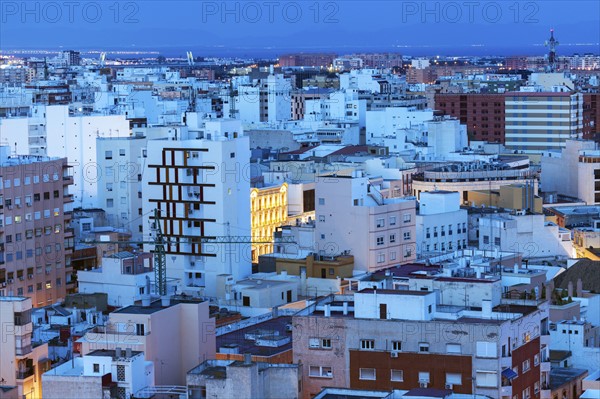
x=268 y=100
x=574 y=171
x=529 y=234
x=391 y=123
x=540 y=121
x=114 y=373
x=55 y=131
x=579 y=337
x=173 y=335
x=125 y=277
x=441 y=224
x=121 y=160
x=352 y=216
x=21 y=362
x=200 y=183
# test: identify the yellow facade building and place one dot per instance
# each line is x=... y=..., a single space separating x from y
x=268 y=209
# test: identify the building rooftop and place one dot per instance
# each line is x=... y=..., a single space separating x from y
x=238 y=339
x=155 y=306
x=395 y=292
x=560 y=376
x=112 y=353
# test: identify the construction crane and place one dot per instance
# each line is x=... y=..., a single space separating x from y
x=160 y=253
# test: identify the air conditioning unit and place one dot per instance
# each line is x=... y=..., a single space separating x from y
x=21 y=278
x=9 y=281
x=3 y=284
x=9 y=207
x=449 y=386
x=394 y=353
x=423 y=384
x=18 y=205
x=30 y=276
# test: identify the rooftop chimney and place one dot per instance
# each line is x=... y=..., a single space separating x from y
x=118 y=353
x=128 y=352
x=579 y=290
x=570 y=289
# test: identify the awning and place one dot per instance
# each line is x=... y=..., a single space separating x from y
x=509 y=373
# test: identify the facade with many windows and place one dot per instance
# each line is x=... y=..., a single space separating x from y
x=36 y=241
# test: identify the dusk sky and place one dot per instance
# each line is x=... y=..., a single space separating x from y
x=260 y=28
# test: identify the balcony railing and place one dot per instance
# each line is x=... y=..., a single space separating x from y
x=21 y=375
x=22 y=351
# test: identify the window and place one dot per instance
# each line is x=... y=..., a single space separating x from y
x=406 y=218
x=321 y=218
x=367 y=374
x=536 y=359
x=379 y=240
x=396 y=345
x=381 y=258
x=487 y=349
x=424 y=376
x=47 y=195
x=397 y=375
x=320 y=371
x=321 y=201
x=107 y=154
x=122 y=152
x=454 y=378
x=393 y=255
x=109 y=186
x=407 y=235
x=486 y=239
x=526 y=365
x=486 y=379
x=120 y=372
x=407 y=252
x=326 y=343
x=367 y=344
x=380 y=223
x=392 y=238
x=109 y=202
x=96 y=368
x=453 y=348
x=497 y=241
x=423 y=347
x=392 y=220
x=527 y=393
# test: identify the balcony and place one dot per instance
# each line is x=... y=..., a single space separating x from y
x=23 y=351
x=506 y=391
x=506 y=362
x=67 y=179
x=21 y=375
x=69 y=198
x=545 y=367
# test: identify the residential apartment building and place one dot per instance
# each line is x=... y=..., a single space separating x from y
x=124 y=277
x=56 y=131
x=268 y=207
x=468 y=176
x=306 y=59
x=121 y=161
x=541 y=121
x=113 y=373
x=574 y=171
x=36 y=241
x=244 y=379
x=199 y=181
x=398 y=339
x=482 y=113
x=151 y=328
x=441 y=224
x=352 y=217
x=530 y=234
x=22 y=362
